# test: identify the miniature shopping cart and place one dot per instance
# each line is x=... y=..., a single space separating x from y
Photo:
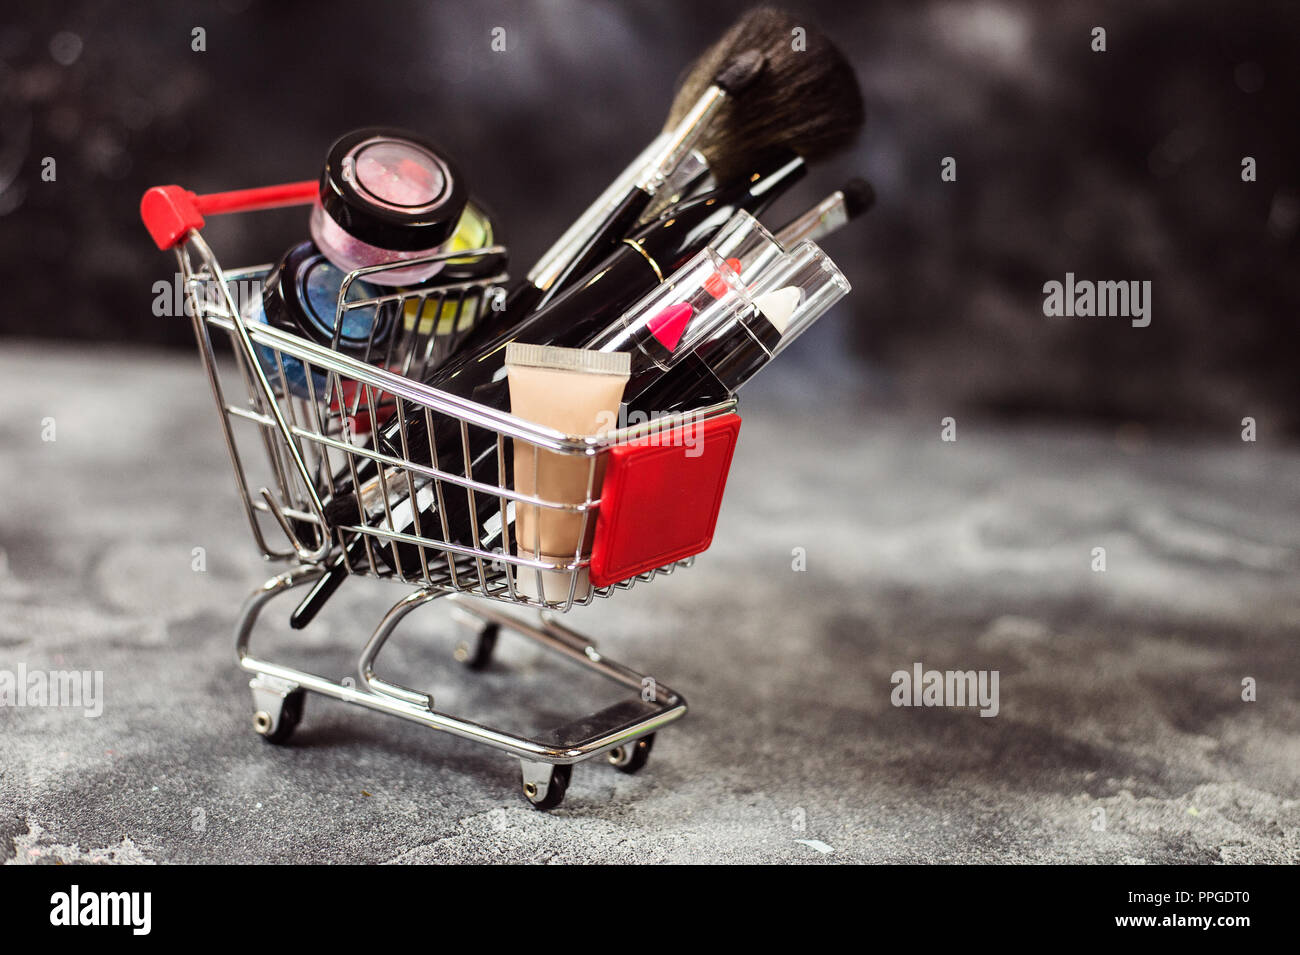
x=296 y=416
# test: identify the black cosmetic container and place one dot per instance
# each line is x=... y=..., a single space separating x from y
x=387 y=195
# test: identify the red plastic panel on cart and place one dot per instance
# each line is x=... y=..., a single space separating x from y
x=660 y=498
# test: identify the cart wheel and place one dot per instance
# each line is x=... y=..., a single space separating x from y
x=476 y=653
x=290 y=717
x=555 y=788
x=630 y=757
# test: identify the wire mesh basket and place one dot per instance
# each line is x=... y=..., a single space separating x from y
x=315 y=408
x=343 y=459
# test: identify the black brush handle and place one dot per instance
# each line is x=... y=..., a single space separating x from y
x=321 y=591
x=617 y=225
x=522 y=297
x=521 y=300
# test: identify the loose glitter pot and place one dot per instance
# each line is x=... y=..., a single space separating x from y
x=301 y=296
x=386 y=196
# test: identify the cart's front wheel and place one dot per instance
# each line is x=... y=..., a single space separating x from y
x=548 y=795
x=279 y=731
x=630 y=757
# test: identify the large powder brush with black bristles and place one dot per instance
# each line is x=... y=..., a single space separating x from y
x=805 y=100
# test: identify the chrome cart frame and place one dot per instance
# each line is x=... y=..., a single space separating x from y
x=310 y=407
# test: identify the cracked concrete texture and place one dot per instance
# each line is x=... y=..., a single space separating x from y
x=1122 y=735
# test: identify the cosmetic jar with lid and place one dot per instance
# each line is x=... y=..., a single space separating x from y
x=301 y=296
x=386 y=196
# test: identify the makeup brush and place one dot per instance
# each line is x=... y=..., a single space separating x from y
x=691 y=176
x=806 y=100
x=737 y=75
x=810 y=96
x=834 y=212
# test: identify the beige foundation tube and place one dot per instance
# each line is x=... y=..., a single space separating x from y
x=576 y=392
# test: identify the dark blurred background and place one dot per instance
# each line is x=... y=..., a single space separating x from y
x=1115 y=166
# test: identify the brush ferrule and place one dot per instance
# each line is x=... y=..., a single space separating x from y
x=821 y=220
x=690 y=172
x=681 y=140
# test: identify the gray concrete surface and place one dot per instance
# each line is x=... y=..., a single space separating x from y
x=1121 y=735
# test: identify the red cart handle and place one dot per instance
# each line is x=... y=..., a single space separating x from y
x=169 y=212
